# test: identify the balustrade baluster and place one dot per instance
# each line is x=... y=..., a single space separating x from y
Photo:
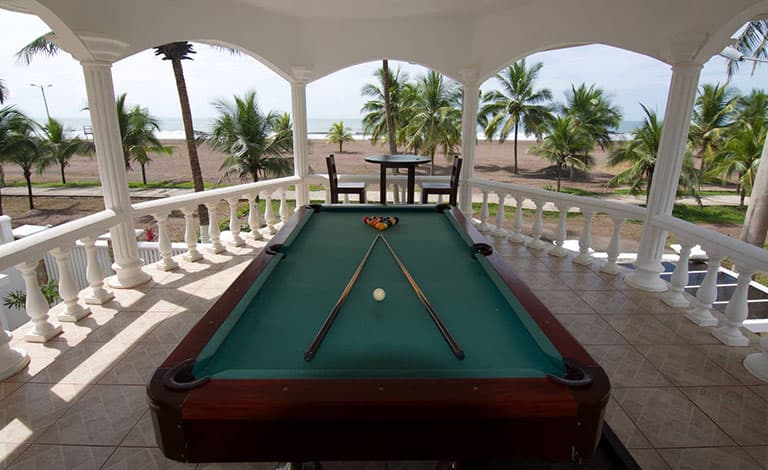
x=167 y=262
x=234 y=224
x=327 y=191
x=535 y=243
x=700 y=312
x=728 y=330
x=757 y=363
x=283 y=206
x=517 y=226
x=269 y=215
x=96 y=294
x=214 y=232
x=614 y=247
x=585 y=241
x=12 y=360
x=500 y=231
x=73 y=311
x=37 y=306
x=483 y=226
x=190 y=234
x=559 y=250
x=254 y=217
x=675 y=296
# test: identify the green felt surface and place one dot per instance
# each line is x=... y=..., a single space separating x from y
x=267 y=336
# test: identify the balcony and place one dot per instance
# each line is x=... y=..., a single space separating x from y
x=681 y=393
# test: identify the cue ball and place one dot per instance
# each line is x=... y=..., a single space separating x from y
x=379 y=294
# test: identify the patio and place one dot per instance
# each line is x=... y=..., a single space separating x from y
x=680 y=399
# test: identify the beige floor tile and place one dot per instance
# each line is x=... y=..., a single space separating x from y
x=127 y=328
x=159 y=299
x=30 y=409
x=41 y=355
x=46 y=457
x=667 y=418
x=9 y=452
x=138 y=365
x=83 y=364
x=649 y=459
x=590 y=329
x=541 y=281
x=526 y=263
x=585 y=280
x=732 y=361
x=609 y=302
x=6 y=388
x=142 y=435
x=103 y=416
x=711 y=458
x=737 y=410
x=517 y=250
x=686 y=366
x=643 y=329
x=174 y=328
x=626 y=367
x=565 y=302
x=563 y=265
x=761 y=390
x=625 y=429
x=144 y=458
x=689 y=331
x=759 y=454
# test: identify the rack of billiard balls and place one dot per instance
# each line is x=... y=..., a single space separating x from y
x=381 y=223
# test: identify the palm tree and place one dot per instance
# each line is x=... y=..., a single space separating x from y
x=3 y=91
x=26 y=150
x=60 y=149
x=517 y=103
x=436 y=116
x=376 y=118
x=12 y=124
x=137 y=129
x=712 y=115
x=251 y=139
x=339 y=134
x=565 y=143
x=641 y=154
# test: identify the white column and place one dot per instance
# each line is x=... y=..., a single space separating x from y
x=213 y=228
x=36 y=306
x=517 y=226
x=483 y=226
x=559 y=250
x=757 y=363
x=283 y=211
x=661 y=199
x=675 y=297
x=535 y=243
x=728 y=330
x=114 y=183
x=300 y=142
x=12 y=360
x=614 y=248
x=500 y=230
x=166 y=263
x=254 y=216
x=73 y=311
x=701 y=309
x=234 y=223
x=190 y=234
x=585 y=241
x=468 y=138
x=269 y=215
x=96 y=294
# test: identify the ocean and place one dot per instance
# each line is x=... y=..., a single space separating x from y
x=317 y=128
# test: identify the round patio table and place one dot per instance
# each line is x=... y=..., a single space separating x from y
x=397 y=161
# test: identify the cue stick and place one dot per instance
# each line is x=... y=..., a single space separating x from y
x=420 y=294
x=310 y=354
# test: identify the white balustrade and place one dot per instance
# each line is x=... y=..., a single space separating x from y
x=499 y=231
x=675 y=297
x=37 y=306
x=73 y=311
x=483 y=226
x=95 y=294
x=284 y=211
x=585 y=241
x=166 y=263
x=517 y=226
x=614 y=247
x=536 y=243
x=269 y=215
x=757 y=363
x=190 y=234
x=700 y=312
x=559 y=249
x=234 y=224
x=12 y=360
x=214 y=232
x=729 y=329
x=254 y=217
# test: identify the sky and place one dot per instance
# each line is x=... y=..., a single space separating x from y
x=628 y=78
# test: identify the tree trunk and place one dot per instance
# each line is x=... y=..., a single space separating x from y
x=572 y=169
x=742 y=196
x=432 y=162
x=2 y=184
x=28 y=177
x=558 y=177
x=63 y=178
x=189 y=132
x=756 y=221
x=340 y=144
x=388 y=107
x=143 y=174
x=516 y=125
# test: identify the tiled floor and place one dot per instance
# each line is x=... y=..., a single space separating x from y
x=679 y=398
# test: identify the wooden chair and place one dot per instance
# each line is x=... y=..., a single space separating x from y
x=451 y=188
x=342 y=188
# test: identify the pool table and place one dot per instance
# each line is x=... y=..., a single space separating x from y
x=384 y=383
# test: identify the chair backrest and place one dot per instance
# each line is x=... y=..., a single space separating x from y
x=455 y=171
x=330 y=162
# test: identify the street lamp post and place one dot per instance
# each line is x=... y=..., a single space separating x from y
x=45 y=101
